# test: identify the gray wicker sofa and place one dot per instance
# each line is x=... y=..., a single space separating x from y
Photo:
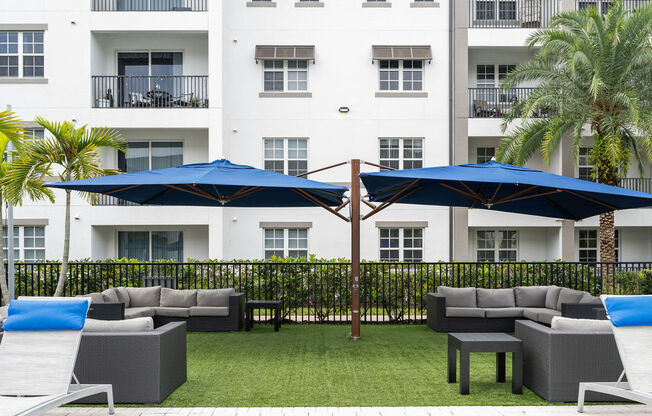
x=556 y=361
x=200 y=309
x=143 y=367
x=495 y=310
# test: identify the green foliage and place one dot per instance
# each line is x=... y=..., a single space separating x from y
x=315 y=290
x=634 y=283
x=589 y=70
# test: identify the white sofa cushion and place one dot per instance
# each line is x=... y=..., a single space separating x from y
x=214 y=297
x=503 y=312
x=132 y=313
x=144 y=296
x=174 y=298
x=561 y=323
x=531 y=296
x=173 y=312
x=127 y=325
x=552 y=297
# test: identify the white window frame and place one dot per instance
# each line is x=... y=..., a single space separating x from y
x=286 y=153
x=21 y=247
x=401 y=152
x=496 y=10
x=401 y=243
x=596 y=249
x=401 y=75
x=149 y=142
x=21 y=54
x=286 y=241
x=496 y=242
x=286 y=74
x=149 y=240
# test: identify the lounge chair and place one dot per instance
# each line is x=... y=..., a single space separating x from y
x=631 y=320
x=38 y=354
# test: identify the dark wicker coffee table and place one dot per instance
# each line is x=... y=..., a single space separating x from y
x=251 y=305
x=485 y=342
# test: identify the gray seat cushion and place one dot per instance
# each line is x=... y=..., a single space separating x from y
x=173 y=312
x=569 y=296
x=144 y=296
x=209 y=311
x=94 y=297
x=110 y=296
x=214 y=297
x=496 y=298
x=178 y=298
x=127 y=325
x=456 y=312
x=123 y=295
x=503 y=312
x=552 y=297
x=545 y=316
x=139 y=312
x=588 y=298
x=459 y=297
x=533 y=313
x=531 y=296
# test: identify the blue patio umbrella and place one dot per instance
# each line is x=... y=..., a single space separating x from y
x=500 y=187
x=218 y=183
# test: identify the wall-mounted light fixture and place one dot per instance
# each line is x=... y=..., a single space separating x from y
x=344 y=110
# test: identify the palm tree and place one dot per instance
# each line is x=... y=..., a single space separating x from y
x=591 y=71
x=68 y=153
x=11 y=130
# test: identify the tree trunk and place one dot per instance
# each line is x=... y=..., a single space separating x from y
x=607 y=175
x=61 y=284
x=4 y=289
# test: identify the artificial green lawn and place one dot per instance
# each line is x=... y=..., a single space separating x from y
x=317 y=365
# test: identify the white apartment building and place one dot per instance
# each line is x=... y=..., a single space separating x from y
x=290 y=86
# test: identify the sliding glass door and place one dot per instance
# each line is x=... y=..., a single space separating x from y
x=149 y=79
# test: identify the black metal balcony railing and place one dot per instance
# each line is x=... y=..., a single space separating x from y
x=150 y=5
x=511 y=13
x=167 y=91
x=603 y=5
x=636 y=184
x=111 y=201
x=495 y=102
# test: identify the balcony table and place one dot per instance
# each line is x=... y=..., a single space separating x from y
x=274 y=305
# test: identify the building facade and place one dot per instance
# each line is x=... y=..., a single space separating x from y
x=289 y=86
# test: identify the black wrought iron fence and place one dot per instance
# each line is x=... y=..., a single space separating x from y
x=320 y=292
x=603 y=6
x=511 y=14
x=156 y=91
x=149 y=5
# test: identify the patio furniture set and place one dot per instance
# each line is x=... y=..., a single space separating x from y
x=561 y=337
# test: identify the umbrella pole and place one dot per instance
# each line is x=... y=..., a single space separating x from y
x=355 y=249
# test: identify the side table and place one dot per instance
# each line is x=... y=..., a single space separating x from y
x=251 y=305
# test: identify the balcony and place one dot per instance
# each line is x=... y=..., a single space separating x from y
x=111 y=201
x=149 y=5
x=636 y=184
x=173 y=91
x=511 y=13
x=603 y=5
x=495 y=102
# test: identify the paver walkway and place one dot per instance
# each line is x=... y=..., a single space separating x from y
x=630 y=410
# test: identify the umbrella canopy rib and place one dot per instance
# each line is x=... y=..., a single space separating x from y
x=318 y=202
x=397 y=197
x=595 y=201
x=124 y=188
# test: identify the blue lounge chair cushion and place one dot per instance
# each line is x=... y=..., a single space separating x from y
x=629 y=310
x=46 y=315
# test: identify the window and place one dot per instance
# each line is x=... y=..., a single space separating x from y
x=501 y=245
x=33 y=243
x=411 y=150
x=485 y=76
x=585 y=164
x=486 y=10
x=401 y=75
x=588 y=246
x=485 y=154
x=21 y=54
x=151 y=245
x=401 y=244
x=285 y=242
x=36 y=133
x=285 y=75
x=288 y=156
x=150 y=155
